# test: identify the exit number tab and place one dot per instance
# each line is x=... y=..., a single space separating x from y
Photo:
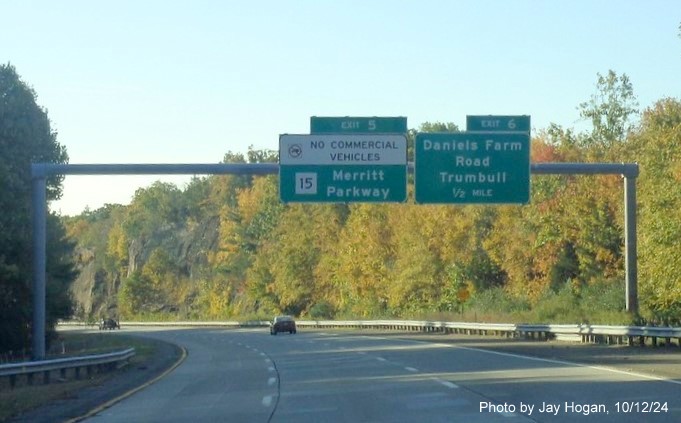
x=493 y=123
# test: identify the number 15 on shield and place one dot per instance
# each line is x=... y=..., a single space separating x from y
x=306 y=183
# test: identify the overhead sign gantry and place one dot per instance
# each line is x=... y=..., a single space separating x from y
x=41 y=171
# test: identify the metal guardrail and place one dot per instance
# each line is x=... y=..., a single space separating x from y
x=46 y=367
x=631 y=335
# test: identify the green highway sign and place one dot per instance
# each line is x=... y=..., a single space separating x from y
x=472 y=168
x=343 y=168
x=498 y=123
x=348 y=124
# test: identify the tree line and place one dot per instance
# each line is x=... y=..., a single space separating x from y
x=366 y=260
x=26 y=136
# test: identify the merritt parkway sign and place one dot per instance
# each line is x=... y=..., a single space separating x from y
x=343 y=168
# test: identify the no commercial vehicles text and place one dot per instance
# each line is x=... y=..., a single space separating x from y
x=347 y=150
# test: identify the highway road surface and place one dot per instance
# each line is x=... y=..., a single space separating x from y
x=247 y=375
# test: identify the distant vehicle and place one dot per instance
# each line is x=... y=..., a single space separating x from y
x=110 y=324
x=283 y=324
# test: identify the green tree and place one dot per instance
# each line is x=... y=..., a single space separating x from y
x=137 y=296
x=657 y=148
x=157 y=207
x=415 y=282
x=365 y=255
x=293 y=258
x=248 y=211
x=25 y=137
x=611 y=109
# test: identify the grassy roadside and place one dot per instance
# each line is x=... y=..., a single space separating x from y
x=26 y=397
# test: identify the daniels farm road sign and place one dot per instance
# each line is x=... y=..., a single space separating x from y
x=472 y=167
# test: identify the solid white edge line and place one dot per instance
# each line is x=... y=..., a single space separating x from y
x=570 y=363
x=549 y=360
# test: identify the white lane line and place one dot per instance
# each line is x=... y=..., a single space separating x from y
x=381 y=359
x=411 y=369
x=545 y=360
x=270 y=369
x=267 y=400
x=361 y=352
x=262 y=354
x=570 y=363
x=271 y=381
x=447 y=383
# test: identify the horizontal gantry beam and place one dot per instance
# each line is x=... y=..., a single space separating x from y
x=42 y=170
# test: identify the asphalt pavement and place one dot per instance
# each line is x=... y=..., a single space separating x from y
x=246 y=375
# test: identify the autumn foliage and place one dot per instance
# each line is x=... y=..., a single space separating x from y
x=561 y=255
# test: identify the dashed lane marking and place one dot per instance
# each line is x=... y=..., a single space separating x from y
x=447 y=383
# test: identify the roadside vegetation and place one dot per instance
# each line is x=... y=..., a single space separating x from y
x=26 y=136
x=225 y=247
x=24 y=397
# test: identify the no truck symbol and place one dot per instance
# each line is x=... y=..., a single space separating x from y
x=295 y=151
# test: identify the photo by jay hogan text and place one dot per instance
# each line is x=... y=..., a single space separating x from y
x=573 y=407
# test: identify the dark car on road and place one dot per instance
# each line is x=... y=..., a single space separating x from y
x=282 y=324
x=110 y=324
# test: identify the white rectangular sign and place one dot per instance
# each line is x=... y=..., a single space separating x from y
x=343 y=149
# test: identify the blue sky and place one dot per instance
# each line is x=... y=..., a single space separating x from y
x=187 y=81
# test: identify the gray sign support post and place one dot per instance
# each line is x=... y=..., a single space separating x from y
x=629 y=172
x=40 y=172
x=39 y=221
x=630 y=244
